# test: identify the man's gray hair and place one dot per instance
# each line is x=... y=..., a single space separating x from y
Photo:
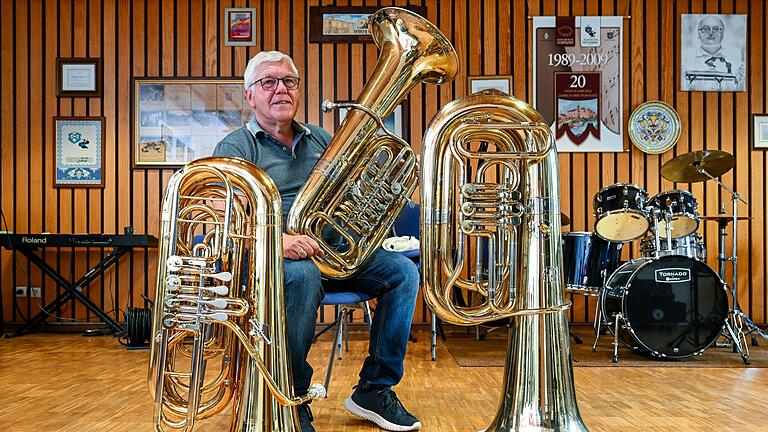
x=249 y=77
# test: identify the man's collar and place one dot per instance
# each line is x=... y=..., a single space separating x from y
x=254 y=127
x=701 y=53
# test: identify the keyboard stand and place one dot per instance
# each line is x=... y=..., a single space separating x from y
x=28 y=244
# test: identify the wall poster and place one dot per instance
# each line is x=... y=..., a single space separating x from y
x=179 y=120
x=577 y=81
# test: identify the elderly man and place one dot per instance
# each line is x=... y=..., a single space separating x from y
x=712 y=68
x=288 y=150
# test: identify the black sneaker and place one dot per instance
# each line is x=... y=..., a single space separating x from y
x=381 y=406
x=305 y=418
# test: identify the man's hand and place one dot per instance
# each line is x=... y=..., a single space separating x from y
x=299 y=247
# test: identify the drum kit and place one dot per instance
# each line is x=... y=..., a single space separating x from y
x=668 y=303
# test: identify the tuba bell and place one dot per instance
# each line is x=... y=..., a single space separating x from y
x=218 y=325
x=363 y=180
x=491 y=228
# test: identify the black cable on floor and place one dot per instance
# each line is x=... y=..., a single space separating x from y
x=138 y=324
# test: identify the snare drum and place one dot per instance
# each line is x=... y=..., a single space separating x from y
x=681 y=206
x=620 y=212
x=691 y=246
x=587 y=261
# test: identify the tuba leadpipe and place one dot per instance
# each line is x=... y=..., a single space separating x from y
x=218 y=326
x=363 y=180
x=491 y=228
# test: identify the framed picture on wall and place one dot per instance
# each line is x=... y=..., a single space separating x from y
x=78 y=77
x=79 y=151
x=498 y=82
x=760 y=131
x=345 y=23
x=713 y=52
x=397 y=122
x=239 y=26
x=178 y=120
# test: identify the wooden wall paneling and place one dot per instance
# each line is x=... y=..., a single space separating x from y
x=284 y=27
x=311 y=92
x=196 y=37
x=696 y=138
x=439 y=97
x=109 y=102
x=755 y=229
x=211 y=38
x=168 y=39
x=710 y=141
x=739 y=142
x=270 y=42
x=504 y=52
x=596 y=165
x=489 y=27
x=183 y=38
x=226 y=52
x=126 y=39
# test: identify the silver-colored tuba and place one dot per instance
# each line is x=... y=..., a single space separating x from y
x=363 y=180
x=218 y=328
x=491 y=227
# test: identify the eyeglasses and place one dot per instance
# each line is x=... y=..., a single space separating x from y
x=706 y=29
x=270 y=83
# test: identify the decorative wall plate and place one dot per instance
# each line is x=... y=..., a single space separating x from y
x=654 y=127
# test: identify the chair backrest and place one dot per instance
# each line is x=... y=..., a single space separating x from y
x=407 y=223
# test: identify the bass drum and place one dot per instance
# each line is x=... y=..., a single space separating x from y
x=671 y=307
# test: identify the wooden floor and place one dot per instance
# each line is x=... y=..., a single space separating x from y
x=65 y=382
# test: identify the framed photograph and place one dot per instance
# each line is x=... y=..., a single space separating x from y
x=239 y=26
x=79 y=151
x=78 y=77
x=760 y=131
x=345 y=23
x=397 y=122
x=178 y=120
x=498 y=82
x=713 y=52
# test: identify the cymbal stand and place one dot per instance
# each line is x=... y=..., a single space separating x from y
x=738 y=320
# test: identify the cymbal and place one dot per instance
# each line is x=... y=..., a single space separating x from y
x=723 y=217
x=685 y=168
x=564 y=220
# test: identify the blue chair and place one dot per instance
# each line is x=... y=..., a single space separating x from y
x=343 y=303
x=407 y=224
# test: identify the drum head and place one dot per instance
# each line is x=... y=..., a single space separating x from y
x=675 y=306
x=622 y=226
x=681 y=226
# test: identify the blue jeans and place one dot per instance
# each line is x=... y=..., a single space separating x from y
x=392 y=278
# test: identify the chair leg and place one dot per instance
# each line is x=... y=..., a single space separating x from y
x=336 y=344
x=341 y=329
x=347 y=322
x=433 y=339
x=367 y=315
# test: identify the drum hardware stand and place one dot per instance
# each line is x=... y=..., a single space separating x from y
x=738 y=320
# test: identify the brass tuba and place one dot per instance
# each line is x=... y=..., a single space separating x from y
x=218 y=327
x=363 y=179
x=491 y=228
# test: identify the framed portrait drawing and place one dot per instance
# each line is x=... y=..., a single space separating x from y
x=498 y=82
x=78 y=77
x=239 y=26
x=760 y=131
x=79 y=151
x=713 y=52
x=396 y=122
x=345 y=23
x=178 y=120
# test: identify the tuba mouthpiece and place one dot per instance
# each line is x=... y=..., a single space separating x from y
x=317 y=391
x=328 y=105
